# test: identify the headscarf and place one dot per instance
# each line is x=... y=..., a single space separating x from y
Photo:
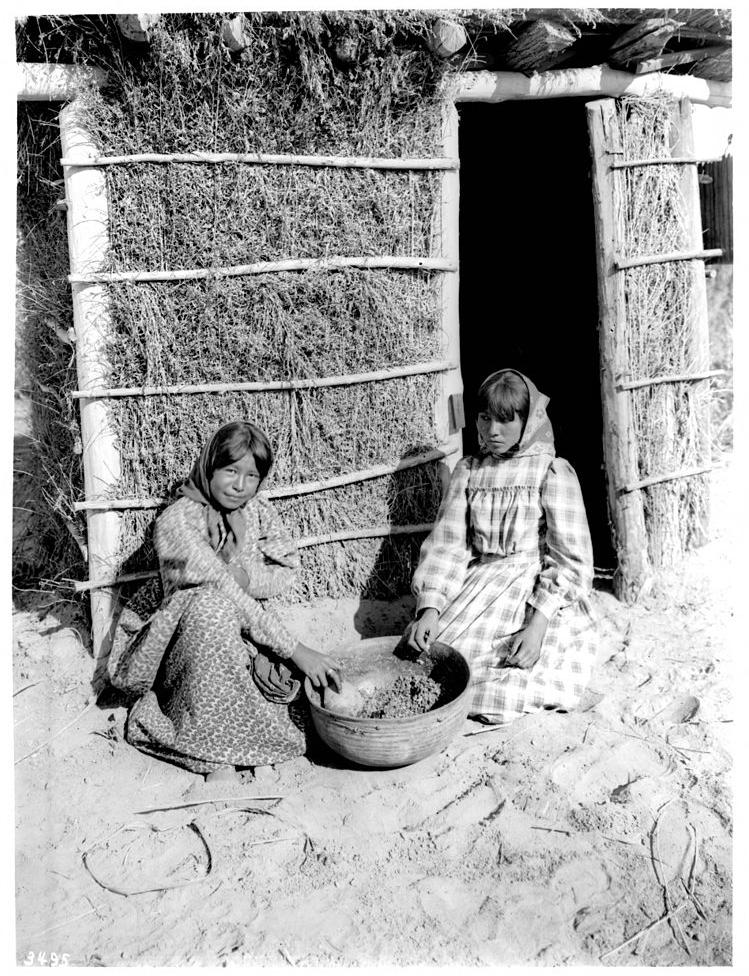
x=537 y=436
x=225 y=529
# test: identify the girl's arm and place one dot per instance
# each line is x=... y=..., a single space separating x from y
x=272 y=564
x=447 y=550
x=567 y=571
x=187 y=559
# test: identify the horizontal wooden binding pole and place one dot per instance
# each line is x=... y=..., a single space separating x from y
x=345 y=535
x=284 y=491
x=671 y=476
x=365 y=475
x=671 y=378
x=315 y=382
x=143 y=574
x=622 y=263
x=266 y=159
x=374 y=532
x=667 y=161
x=271 y=267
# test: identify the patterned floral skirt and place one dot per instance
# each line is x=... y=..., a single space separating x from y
x=200 y=707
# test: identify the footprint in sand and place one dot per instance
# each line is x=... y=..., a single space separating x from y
x=449 y=900
x=589 y=774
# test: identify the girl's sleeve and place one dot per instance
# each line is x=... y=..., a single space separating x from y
x=447 y=550
x=271 y=564
x=567 y=572
x=187 y=559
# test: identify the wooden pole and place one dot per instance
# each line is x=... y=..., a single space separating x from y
x=672 y=378
x=87 y=221
x=619 y=447
x=449 y=414
x=267 y=159
x=697 y=254
x=54 y=82
x=344 y=535
x=668 y=161
x=698 y=325
x=251 y=386
x=268 y=267
x=284 y=491
x=598 y=81
x=658 y=479
x=373 y=532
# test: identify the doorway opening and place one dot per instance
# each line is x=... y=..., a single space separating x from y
x=528 y=278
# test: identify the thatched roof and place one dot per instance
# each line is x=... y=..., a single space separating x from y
x=637 y=39
x=679 y=40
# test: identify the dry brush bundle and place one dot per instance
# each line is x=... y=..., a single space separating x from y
x=47 y=464
x=287 y=325
x=669 y=418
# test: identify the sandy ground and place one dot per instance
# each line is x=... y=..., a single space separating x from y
x=555 y=840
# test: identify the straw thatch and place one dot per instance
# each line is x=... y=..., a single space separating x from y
x=284 y=95
x=668 y=418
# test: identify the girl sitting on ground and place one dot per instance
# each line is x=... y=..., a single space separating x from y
x=210 y=664
x=506 y=573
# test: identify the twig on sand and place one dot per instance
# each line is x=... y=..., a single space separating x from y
x=59 y=732
x=553 y=830
x=286 y=956
x=492 y=728
x=148 y=770
x=213 y=799
x=631 y=843
x=31 y=684
x=647 y=928
x=68 y=921
x=161 y=887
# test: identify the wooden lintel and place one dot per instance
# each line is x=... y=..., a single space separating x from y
x=55 y=82
x=493 y=87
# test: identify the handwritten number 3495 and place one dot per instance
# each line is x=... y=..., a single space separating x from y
x=42 y=959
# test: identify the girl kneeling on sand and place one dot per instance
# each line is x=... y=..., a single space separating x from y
x=208 y=664
x=506 y=573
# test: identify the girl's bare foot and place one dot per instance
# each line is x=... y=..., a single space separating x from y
x=225 y=774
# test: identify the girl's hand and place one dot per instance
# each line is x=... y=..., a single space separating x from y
x=240 y=576
x=420 y=632
x=525 y=648
x=321 y=669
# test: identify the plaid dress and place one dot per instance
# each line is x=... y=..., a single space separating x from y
x=512 y=535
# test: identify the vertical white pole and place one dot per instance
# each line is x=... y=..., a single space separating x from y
x=450 y=406
x=85 y=193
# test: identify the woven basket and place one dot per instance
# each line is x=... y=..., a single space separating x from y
x=389 y=742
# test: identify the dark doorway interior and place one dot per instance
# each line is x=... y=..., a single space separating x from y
x=528 y=285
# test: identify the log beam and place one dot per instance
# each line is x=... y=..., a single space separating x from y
x=55 y=82
x=539 y=46
x=598 y=81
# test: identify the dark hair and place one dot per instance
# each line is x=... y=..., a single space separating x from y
x=503 y=395
x=232 y=441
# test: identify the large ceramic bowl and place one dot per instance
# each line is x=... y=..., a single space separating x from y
x=389 y=742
